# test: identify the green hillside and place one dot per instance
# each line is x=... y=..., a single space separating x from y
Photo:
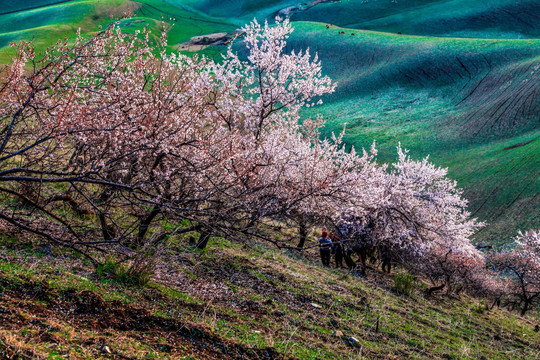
x=455 y=18
x=46 y=21
x=237 y=302
x=460 y=82
x=449 y=18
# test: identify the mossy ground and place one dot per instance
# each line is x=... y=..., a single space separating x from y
x=236 y=301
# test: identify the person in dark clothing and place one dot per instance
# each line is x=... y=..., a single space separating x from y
x=348 y=260
x=325 y=245
x=337 y=248
x=386 y=258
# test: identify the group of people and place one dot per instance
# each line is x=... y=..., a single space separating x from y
x=332 y=245
x=363 y=247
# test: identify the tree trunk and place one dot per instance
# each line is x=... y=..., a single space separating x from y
x=106 y=230
x=145 y=224
x=203 y=240
x=303 y=233
x=496 y=302
x=525 y=307
x=433 y=289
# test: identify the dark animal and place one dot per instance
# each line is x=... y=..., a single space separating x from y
x=351 y=264
x=386 y=265
x=365 y=251
x=203 y=240
x=386 y=258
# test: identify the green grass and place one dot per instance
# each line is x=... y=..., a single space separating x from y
x=451 y=18
x=241 y=11
x=47 y=23
x=502 y=183
x=186 y=23
x=10 y=6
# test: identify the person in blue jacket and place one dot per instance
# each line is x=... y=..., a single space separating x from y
x=325 y=245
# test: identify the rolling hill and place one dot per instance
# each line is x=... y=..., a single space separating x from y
x=448 y=18
x=454 y=79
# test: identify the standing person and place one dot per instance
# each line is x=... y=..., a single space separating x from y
x=325 y=245
x=338 y=250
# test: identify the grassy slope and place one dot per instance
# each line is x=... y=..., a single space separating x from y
x=44 y=25
x=456 y=99
x=243 y=303
x=454 y=18
x=45 y=21
x=478 y=115
x=244 y=11
x=187 y=22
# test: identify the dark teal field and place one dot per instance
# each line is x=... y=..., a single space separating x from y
x=454 y=79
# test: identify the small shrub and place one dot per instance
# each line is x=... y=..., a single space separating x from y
x=423 y=286
x=108 y=269
x=233 y=265
x=404 y=283
x=480 y=307
x=233 y=287
x=137 y=274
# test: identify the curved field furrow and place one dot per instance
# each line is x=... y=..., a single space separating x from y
x=504 y=102
x=14 y=6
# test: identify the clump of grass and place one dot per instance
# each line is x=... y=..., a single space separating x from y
x=480 y=307
x=137 y=274
x=404 y=283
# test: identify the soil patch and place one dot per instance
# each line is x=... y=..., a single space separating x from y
x=31 y=305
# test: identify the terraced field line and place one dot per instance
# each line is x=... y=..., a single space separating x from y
x=36 y=7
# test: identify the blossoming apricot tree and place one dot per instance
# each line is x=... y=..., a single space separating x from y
x=521 y=266
x=105 y=137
